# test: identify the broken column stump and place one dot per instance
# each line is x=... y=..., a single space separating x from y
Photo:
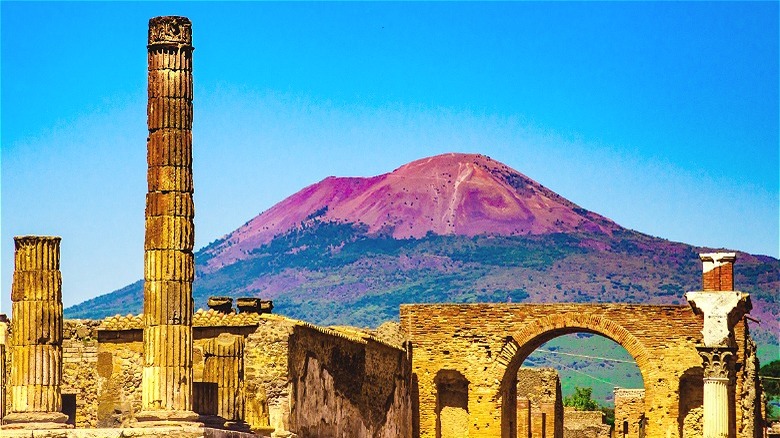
x=36 y=335
x=224 y=368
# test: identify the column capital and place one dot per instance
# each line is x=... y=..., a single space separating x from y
x=172 y=31
x=718 y=362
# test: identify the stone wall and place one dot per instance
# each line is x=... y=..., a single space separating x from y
x=119 y=374
x=584 y=424
x=266 y=372
x=541 y=387
x=79 y=372
x=487 y=342
x=630 y=408
x=347 y=387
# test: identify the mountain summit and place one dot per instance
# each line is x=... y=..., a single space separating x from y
x=449 y=194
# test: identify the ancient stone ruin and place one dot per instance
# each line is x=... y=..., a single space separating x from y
x=446 y=370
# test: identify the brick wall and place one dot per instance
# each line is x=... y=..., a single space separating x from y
x=630 y=406
x=474 y=340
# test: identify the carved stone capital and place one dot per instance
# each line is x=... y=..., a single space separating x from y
x=718 y=362
x=170 y=30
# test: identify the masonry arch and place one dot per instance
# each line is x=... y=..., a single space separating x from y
x=522 y=343
x=482 y=341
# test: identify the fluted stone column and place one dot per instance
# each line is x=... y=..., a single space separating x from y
x=718 y=381
x=169 y=266
x=36 y=335
x=224 y=366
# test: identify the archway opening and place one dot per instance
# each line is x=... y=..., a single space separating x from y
x=452 y=404
x=580 y=367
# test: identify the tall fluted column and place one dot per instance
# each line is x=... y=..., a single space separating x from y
x=36 y=334
x=718 y=380
x=169 y=266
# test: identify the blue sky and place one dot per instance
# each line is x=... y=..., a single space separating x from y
x=661 y=116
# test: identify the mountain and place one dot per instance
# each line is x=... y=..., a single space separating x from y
x=450 y=228
x=451 y=194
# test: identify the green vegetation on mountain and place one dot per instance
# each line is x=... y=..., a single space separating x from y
x=335 y=273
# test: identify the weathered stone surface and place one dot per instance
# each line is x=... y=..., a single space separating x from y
x=221 y=304
x=254 y=305
x=541 y=388
x=36 y=335
x=630 y=412
x=169 y=266
x=224 y=367
x=722 y=311
x=585 y=424
x=470 y=338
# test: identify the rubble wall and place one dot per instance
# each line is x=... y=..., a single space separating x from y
x=119 y=375
x=584 y=424
x=79 y=369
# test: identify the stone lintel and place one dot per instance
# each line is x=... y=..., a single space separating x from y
x=712 y=260
x=722 y=311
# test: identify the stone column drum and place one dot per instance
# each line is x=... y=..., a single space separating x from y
x=224 y=366
x=718 y=381
x=169 y=266
x=36 y=335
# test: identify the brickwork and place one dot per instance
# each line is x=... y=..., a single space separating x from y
x=542 y=388
x=718 y=271
x=487 y=342
x=630 y=409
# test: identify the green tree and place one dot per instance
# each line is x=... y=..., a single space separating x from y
x=581 y=400
x=770 y=379
x=771 y=383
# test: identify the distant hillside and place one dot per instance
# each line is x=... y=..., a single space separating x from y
x=452 y=228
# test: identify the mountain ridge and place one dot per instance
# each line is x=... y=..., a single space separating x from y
x=349 y=251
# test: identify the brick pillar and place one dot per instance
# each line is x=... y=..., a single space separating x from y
x=36 y=335
x=550 y=420
x=718 y=271
x=523 y=418
x=538 y=424
x=718 y=383
x=169 y=266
